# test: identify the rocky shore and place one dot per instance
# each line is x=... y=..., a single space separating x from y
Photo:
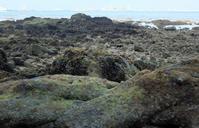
x=92 y=72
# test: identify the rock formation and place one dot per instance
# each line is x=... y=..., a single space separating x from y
x=167 y=97
x=92 y=72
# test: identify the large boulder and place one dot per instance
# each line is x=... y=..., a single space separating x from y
x=4 y=63
x=134 y=103
x=80 y=17
x=78 y=61
x=164 y=98
x=73 y=62
x=40 y=101
x=113 y=68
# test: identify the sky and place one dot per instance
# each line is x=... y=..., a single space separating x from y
x=107 y=5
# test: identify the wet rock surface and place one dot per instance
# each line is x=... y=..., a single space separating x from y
x=92 y=72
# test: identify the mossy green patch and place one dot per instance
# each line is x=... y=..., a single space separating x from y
x=6 y=96
x=40 y=21
x=60 y=86
x=61 y=104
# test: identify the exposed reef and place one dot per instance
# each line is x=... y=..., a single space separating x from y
x=92 y=72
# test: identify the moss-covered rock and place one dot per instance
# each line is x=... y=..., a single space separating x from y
x=73 y=62
x=39 y=21
x=100 y=63
x=136 y=101
x=62 y=101
x=35 y=102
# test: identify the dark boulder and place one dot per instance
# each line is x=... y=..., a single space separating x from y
x=80 y=17
x=4 y=63
x=73 y=62
x=102 y=20
x=113 y=68
x=78 y=61
x=3 y=56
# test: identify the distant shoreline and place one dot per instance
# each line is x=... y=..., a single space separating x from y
x=192 y=16
x=159 y=23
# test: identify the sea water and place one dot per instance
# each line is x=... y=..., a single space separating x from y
x=117 y=15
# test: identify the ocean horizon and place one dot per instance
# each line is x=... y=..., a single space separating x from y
x=116 y=15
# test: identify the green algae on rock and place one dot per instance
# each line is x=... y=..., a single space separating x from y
x=35 y=102
x=95 y=48
x=64 y=101
x=133 y=103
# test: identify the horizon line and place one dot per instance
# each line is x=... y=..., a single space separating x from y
x=103 y=10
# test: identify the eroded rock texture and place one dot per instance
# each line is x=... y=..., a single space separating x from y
x=92 y=72
x=164 y=98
